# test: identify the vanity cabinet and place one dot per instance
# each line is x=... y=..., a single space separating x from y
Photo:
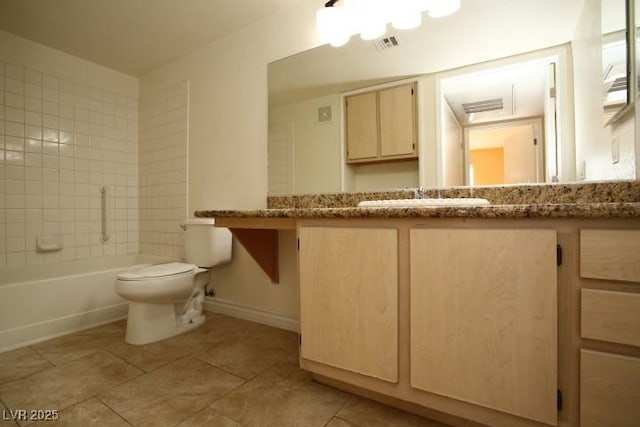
x=381 y=125
x=484 y=318
x=461 y=319
x=349 y=299
x=610 y=328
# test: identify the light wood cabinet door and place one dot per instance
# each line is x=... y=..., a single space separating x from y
x=349 y=299
x=362 y=126
x=609 y=390
x=484 y=318
x=398 y=121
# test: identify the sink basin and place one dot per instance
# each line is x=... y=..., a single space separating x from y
x=423 y=203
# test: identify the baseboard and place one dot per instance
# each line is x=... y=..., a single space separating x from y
x=230 y=309
x=30 y=334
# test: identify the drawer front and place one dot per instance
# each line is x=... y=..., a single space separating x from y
x=611 y=316
x=610 y=254
x=609 y=390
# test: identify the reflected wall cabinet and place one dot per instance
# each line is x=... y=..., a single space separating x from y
x=381 y=125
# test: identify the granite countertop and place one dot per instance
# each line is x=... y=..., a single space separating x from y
x=612 y=200
x=544 y=210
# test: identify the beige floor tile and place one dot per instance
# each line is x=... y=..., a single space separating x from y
x=281 y=396
x=339 y=422
x=79 y=344
x=152 y=356
x=89 y=413
x=216 y=330
x=62 y=386
x=170 y=394
x=367 y=413
x=254 y=351
x=20 y=363
x=6 y=420
x=209 y=417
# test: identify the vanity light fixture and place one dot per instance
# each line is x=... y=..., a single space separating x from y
x=337 y=23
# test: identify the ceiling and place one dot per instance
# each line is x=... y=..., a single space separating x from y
x=131 y=36
x=522 y=87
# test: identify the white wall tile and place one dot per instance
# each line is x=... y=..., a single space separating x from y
x=60 y=141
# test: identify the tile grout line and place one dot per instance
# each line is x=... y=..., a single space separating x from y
x=111 y=409
x=42 y=356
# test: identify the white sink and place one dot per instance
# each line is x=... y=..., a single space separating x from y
x=422 y=203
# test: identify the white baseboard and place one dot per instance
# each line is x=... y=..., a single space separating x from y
x=30 y=334
x=230 y=309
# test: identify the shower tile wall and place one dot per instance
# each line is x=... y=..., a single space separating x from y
x=163 y=170
x=60 y=142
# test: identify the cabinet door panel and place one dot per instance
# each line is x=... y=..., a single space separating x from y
x=484 y=318
x=362 y=126
x=397 y=121
x=609 y=390
x=349 y=299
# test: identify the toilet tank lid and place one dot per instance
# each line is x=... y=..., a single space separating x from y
x=199 y=221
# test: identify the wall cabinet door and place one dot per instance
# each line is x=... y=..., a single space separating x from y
x=381 y=125
x=484 y=318
x=397 y=121
x=349 y=299
x=362 y=126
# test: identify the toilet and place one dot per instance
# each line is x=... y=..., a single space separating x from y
x=166 y=299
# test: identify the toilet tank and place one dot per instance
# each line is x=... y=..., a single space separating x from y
x=205 y=244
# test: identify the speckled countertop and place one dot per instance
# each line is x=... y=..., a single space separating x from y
x=577 y=201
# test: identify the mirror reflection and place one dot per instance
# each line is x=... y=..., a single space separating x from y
x=503 y=90
x=614 y=58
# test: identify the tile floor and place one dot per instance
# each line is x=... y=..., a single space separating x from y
x=227 y=373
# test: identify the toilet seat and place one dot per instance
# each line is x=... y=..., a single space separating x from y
x=157 y=271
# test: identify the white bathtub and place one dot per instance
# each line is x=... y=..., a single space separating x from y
x=41 y=302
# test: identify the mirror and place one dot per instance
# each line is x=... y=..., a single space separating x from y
x=614 y=59
x=483 y=41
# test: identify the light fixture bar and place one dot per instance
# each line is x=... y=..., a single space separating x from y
x=336 y=24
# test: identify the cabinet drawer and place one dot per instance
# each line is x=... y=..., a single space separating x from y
x=609 y=390
x=611 y=316
x=610 y=254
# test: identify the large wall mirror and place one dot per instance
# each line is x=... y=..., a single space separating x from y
x=507 y=92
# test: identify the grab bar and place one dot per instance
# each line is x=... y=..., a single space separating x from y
x=105 y=219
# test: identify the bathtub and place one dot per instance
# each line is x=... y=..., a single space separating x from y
x=45 y=301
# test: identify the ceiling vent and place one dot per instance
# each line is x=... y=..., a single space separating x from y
x=386 y=42
x=482 y=106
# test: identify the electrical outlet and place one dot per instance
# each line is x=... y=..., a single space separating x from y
x=615 y=150
x=582 y=174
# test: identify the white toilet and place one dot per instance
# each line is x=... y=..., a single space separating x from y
x=166 y=299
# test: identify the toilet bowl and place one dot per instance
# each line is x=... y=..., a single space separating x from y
x=166 y=299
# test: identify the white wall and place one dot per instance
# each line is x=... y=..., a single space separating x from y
x=452 y=151
x=228 y=139
x=593 y=141
x=316 y=146
x=67 y=128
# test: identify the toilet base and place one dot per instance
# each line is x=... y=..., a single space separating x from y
x=148 y=323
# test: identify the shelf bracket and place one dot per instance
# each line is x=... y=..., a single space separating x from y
x=262 y=245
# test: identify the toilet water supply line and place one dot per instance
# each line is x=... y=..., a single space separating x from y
x=105 y=219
